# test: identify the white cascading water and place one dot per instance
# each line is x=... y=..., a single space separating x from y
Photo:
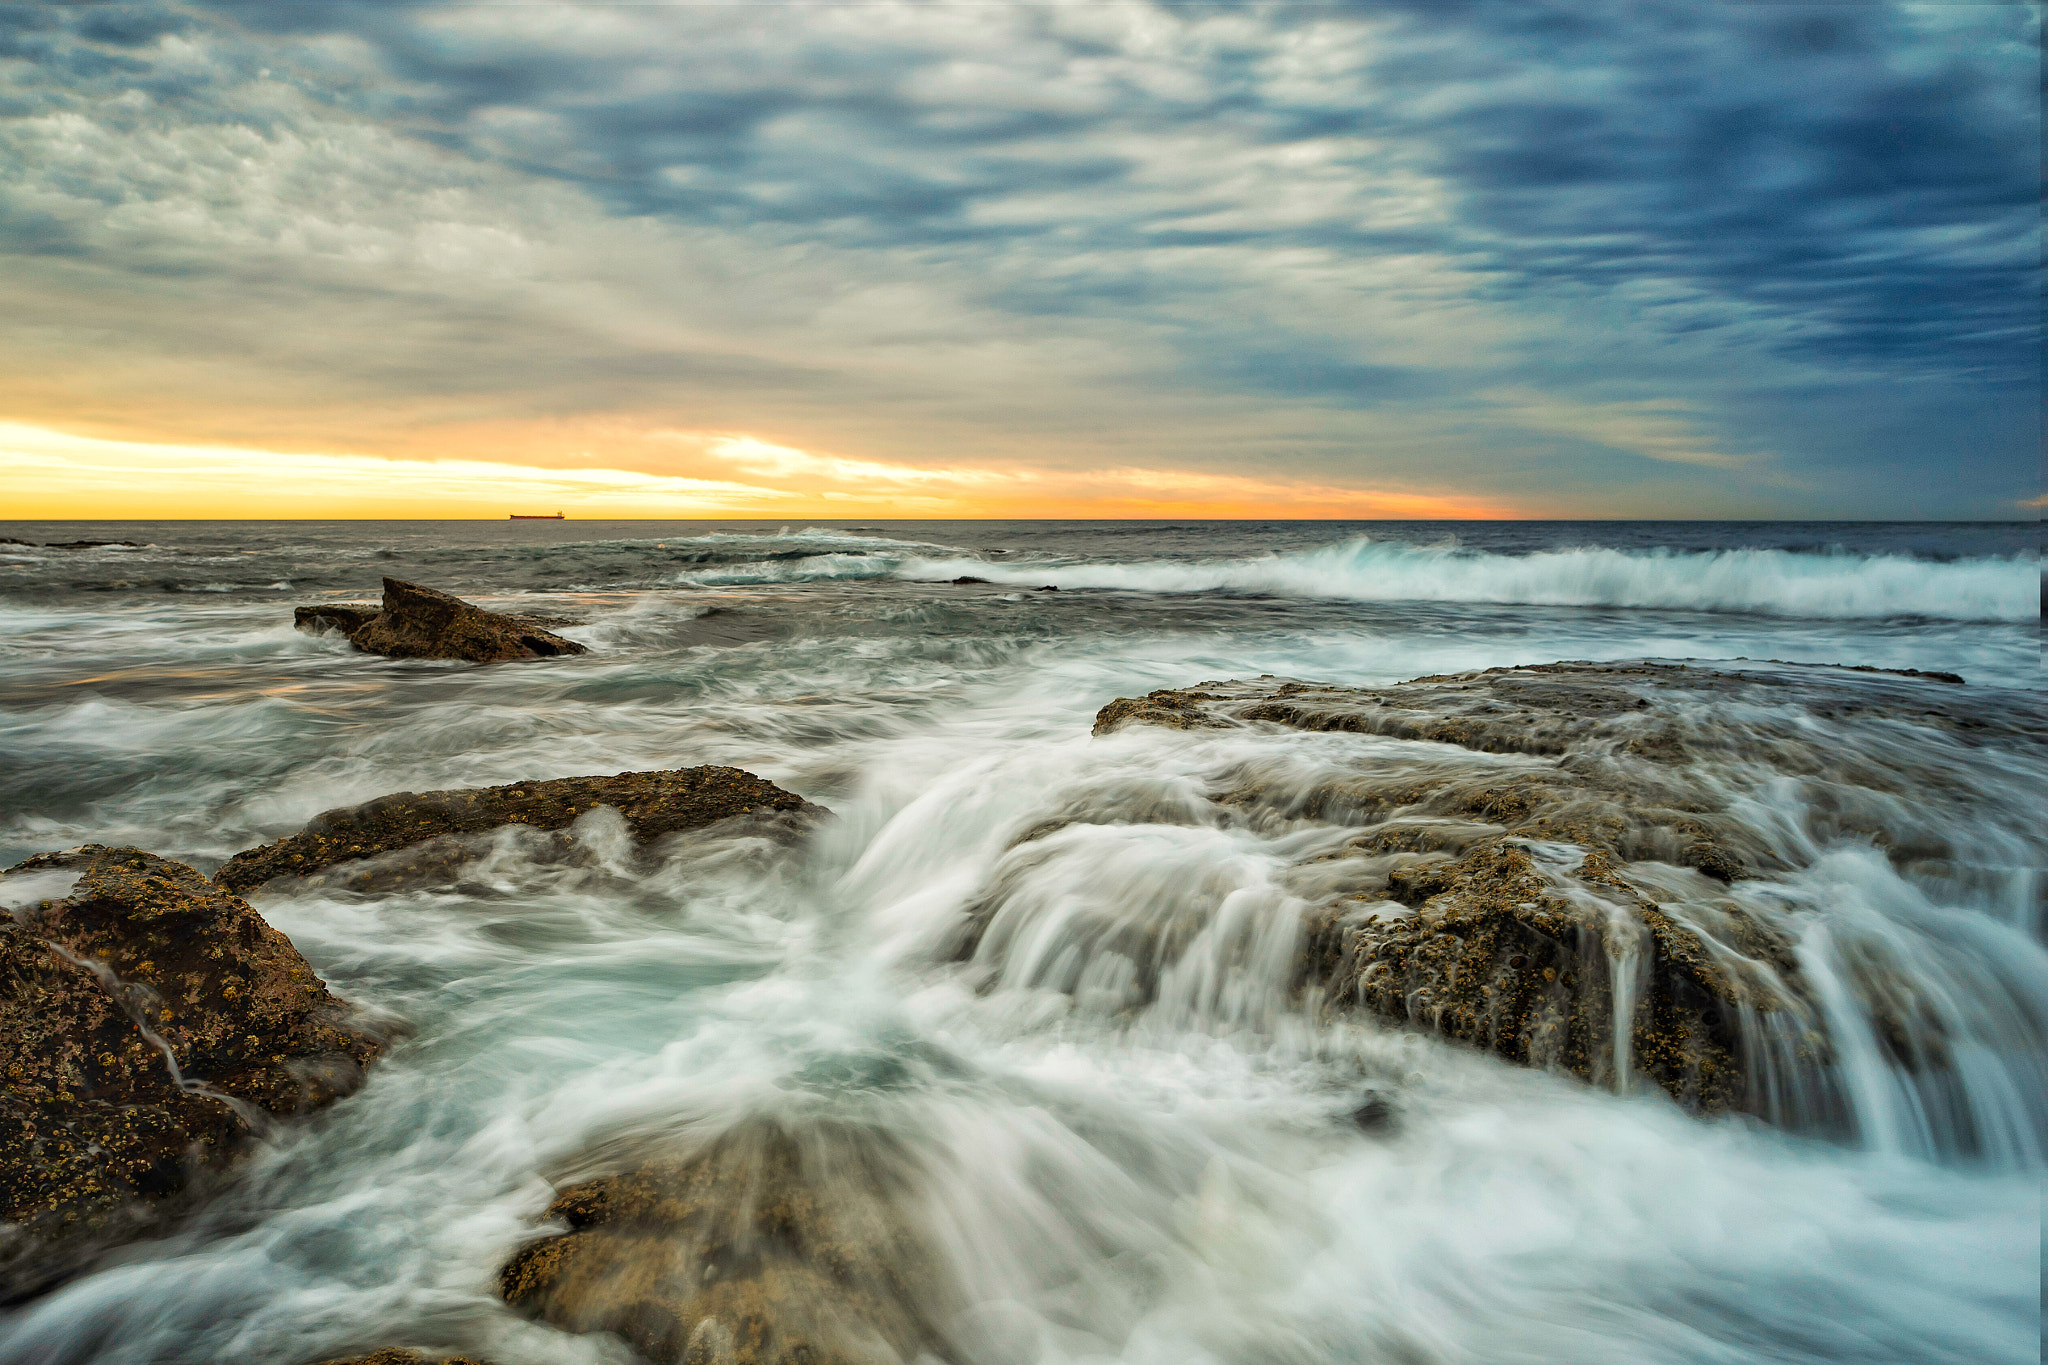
x=1050 y=980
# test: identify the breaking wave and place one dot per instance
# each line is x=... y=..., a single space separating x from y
x=1772 y=582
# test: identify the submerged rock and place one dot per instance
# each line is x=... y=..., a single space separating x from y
x=653 y=804
x=346 y=617
x=149 y=1021
x=392 y=1355
x=417 y=622
x=1542 y=905
x=769 y=1247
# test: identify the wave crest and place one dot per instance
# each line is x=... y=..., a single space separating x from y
x=1773 y=582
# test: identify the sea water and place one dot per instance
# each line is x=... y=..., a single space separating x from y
x=1165 y=1178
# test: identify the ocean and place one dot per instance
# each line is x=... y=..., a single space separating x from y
x=1163 y=1175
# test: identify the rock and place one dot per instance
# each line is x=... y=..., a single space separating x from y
x=653 y=804
x=771 y=1246
x=1505 y=904
x=346 y=617
x=392 y=1355
x=90 y=544
x=421 y=623
x=1050 y=587
x=1171 y=709
x=966 y=579
x=102 y=1134
x=1510 y=961
x=1375 y=1114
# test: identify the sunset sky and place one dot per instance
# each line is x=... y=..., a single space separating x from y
x=1430 y=259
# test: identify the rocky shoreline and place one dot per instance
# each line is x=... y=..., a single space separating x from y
x=1519 y=912
x=1570 y=914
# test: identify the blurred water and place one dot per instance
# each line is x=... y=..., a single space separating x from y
x=1156 y=1174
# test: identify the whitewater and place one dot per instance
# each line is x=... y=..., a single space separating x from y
x=1118 y=1125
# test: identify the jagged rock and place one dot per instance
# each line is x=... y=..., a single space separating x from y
x=1501 y=904
x=416 y=622
x=102 y=1134
x=653 y=804
x=769 y=1247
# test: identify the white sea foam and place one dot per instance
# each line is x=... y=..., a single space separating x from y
x=1766 y=581
x=1775 y=582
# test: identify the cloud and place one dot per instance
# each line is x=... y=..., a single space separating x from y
x=1317 y=241
x=1655 y=429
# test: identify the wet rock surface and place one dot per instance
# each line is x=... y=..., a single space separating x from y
x=397 y=1356
x=346 y=617
x=149 y=1022
x=417 y=622
x=438 y=825
x=770 y=1246
x=1527 y=906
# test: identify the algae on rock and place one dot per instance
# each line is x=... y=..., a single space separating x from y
x=653 y=804
x=149 y=1021
x=771 y=1245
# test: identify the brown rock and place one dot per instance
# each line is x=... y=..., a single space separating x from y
x=653 y=804
x=1175 y=710
x=1510 y=961
x=421 y=623
x=769 y=1247
x=148 y=1021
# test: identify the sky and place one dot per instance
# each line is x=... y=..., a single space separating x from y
x=1542 y=258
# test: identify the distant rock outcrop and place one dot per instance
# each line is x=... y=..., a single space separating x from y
x=653 y=804
x=417 y=622
x=149 y=1021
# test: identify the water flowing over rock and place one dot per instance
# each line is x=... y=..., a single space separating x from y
x=771 y=1246
x=398 y=1356
x=149 y=1022
x=346 y=617
x=1608 y=909
x=440 y=826
x=417 y=622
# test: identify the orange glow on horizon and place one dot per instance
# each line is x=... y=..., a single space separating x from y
x=54 y=476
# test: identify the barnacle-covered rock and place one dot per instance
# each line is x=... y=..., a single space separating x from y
x=149 y=1021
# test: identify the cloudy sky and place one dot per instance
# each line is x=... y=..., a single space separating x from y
x=904 y=257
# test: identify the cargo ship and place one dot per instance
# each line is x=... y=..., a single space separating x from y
x=537 y=516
